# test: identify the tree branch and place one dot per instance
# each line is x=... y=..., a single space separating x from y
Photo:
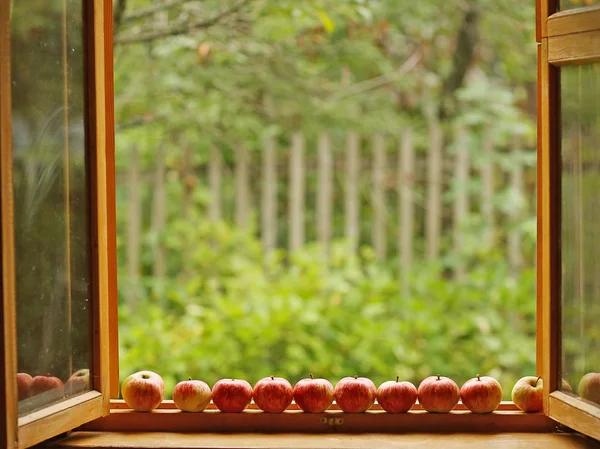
x=118 y=15
x=144 y=12
x=379 y=81
x=182 y=29
x=468 y=36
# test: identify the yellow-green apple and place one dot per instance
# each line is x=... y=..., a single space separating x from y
x=589 y=387
x=438 y=394
x=191 y=395
x=396 y=396
x=273 y=394
x=78 y=382
x=355 y=394
x=313 y=395
x=143 y=391
x=481 y=394
x=528 y=394
x=23 y=385
x=231 y=395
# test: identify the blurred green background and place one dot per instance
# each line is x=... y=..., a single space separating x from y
x=203 y=88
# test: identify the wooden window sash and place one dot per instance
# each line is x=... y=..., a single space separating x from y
x=567 y=38
x=8 y=358
x=58 y=418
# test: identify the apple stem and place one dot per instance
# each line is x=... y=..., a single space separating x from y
x=438 y=377
x=355 y=376
x=397 y=378
x=536 y=381
x=478 y=377
x=272 y=377
x=311 y=376
x=189 y=378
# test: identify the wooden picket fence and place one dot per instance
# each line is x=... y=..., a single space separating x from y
x=388 y=192
x=391 y=167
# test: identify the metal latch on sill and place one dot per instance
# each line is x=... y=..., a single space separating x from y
x=332 y=421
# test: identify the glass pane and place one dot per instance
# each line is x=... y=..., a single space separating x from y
x=570 y=4
x=52 y=236
x=580 y=96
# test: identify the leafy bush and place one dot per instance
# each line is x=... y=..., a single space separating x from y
x=234 y=311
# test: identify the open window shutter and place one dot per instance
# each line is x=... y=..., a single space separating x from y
x=568 y=204
x=58 y=284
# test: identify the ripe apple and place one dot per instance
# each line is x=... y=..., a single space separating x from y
x=191 y=395
x=481 y=394
x=143 y=391
x=396 y=396
x=51 y=385
x=589 y=387
x=566 y=387
x=23 y=385
x=355 y=394
x=78 y=382
x=528 y=394
x=273 y=394
x=313 y=395
x=438 y=394
x=231 y=395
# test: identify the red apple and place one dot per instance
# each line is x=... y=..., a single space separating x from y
x=232 y=395
x=313 y=395
x=589 y=387
x=528 y=394
x=23 y=385
x=273 y=394
x=481 y=394
x=78 y=382
x=51 y=385
x=191 y=395
x=355 y=394
x=143 y=391
x=438 y=394
x=396 y=397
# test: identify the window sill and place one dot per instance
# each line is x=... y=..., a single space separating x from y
x=153 y=440
x=167 y=418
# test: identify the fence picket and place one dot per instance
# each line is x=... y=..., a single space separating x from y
x=159 y=212
x=487 y=188
x=215 y=169
x=296 y=192
x=242 y=187
x=134 y=223
x=269 y=196
x=351 y=201
x=324 y=192
x=434 y=189
x=379 y=212
x=406 y=208
x=461 y=189
x=515 y=256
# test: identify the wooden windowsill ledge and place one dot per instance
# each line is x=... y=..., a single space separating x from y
x=171 y=440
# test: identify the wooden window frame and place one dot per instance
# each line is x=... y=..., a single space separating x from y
x=28 y=430
x=565 y=38
x=568 y=37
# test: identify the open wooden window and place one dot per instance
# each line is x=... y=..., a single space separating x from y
x=56 y=139
x=55 y=172
x=568 y=164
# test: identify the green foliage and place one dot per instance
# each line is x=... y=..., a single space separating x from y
x=240 y=313
x=225 y=307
